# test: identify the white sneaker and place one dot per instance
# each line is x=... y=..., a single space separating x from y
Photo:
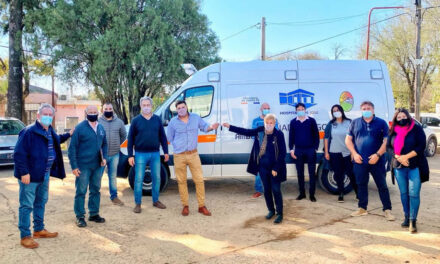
x=359 y=212
x=389 y=216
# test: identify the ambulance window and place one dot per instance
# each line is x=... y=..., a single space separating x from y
x=198 y=100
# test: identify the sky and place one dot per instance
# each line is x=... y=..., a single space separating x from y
x=289 y=24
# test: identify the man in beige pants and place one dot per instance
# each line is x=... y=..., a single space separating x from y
x=183 y=135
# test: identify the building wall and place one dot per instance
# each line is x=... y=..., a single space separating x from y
x=67 y=112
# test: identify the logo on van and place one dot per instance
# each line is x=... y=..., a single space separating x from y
x=298 y=96
x=250 y=100
x=346 y=100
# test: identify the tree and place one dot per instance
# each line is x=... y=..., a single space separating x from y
x=306 y=55
x=338 y=50
x=394 y=43
x=125 y=48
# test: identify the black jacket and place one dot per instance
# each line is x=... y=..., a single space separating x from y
x=280 y=150
x=414 y=140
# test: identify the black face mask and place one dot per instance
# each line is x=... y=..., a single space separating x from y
x=108 y=114
x=92 y=118
x=403 y=122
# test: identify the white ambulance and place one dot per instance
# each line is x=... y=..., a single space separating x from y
x=234 y=91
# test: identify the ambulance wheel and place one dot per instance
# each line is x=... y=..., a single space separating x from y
x=328 y=183
x=147 y=184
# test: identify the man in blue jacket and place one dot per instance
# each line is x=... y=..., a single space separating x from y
x=37 y=155
x=87 y=153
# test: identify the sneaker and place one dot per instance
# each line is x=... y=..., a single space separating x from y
x=270 y=215
x=359 y=212
x=159 y=205
x=256 y=195
x=117 y=201
x=389 y=216
x=97 y=219
x=279 y=219
x=301 y=196
x=341 y=198
x=137 y=209
x=80 y=222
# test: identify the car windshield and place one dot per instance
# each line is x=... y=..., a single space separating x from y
x=10 y=127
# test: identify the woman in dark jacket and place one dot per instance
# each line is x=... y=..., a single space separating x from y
x=335 y=150
x=406 y=147
x=268 y=157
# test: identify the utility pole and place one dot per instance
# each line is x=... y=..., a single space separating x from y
x=417 y=89
x=263 y=38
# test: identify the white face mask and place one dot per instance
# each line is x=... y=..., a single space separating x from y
x=269 y=128
x=146 y=110
x=337 y=114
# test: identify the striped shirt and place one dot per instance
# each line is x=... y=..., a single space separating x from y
x=50 y=151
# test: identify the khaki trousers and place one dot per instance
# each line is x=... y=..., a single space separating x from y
x=181 y=161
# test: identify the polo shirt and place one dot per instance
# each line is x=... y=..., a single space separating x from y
x=368 y=137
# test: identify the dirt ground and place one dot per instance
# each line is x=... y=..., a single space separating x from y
x=321 y=232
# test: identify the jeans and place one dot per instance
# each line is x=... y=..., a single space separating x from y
x=306 y=156
x=141 y=160
x=112 y=169
x=89 y=178
x=33 y=198
x=342 y=166
x=272 y=189
x=378 y=171
x=258 y=184
x=409 y=186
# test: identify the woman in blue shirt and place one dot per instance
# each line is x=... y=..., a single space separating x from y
x=336 y=152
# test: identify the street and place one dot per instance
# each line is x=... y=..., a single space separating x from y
x=321 y=232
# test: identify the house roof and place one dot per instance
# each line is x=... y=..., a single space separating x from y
x=39 y=90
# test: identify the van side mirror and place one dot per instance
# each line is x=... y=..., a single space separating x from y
x=424 y=125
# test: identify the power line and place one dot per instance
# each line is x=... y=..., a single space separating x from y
x=239 y=32
x=335 y=36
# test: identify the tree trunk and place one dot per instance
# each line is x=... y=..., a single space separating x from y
x=15 y=80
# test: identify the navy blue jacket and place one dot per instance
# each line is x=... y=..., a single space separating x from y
x=280 y=150
x=303 y=134
x=31 y=153
x=87 y=148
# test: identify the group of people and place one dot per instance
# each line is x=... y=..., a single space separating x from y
x=354 y=148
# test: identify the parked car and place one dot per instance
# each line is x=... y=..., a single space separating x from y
x=431 y=135
x=9 y=130
x=433 y=122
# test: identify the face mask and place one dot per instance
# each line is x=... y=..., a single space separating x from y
x=403 y=122
x=269 y=128
x=146 y=110
x=182 y=112
x=92 y=118
x=367 y=114
x=108 y=114
x=300 y=113
x=46 y=120
x=265 y=111
x=337 y=114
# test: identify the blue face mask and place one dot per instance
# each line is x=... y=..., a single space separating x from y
x=367 y=114
x=301 y=113
x=46 y=120
x=265 y=111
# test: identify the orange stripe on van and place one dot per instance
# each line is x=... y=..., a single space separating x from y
x=124 y=144
x=321 y=134
x=207 y=138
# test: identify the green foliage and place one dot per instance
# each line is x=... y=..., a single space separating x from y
x=125 y=48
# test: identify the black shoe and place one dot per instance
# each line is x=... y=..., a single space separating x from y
x=270 y=215
x=80 y=222
x=312 y=198
x=405 y=222
x=341 y=198
x=279 y=219
x=412 y=226
x=97 y=219
x=301 y=196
